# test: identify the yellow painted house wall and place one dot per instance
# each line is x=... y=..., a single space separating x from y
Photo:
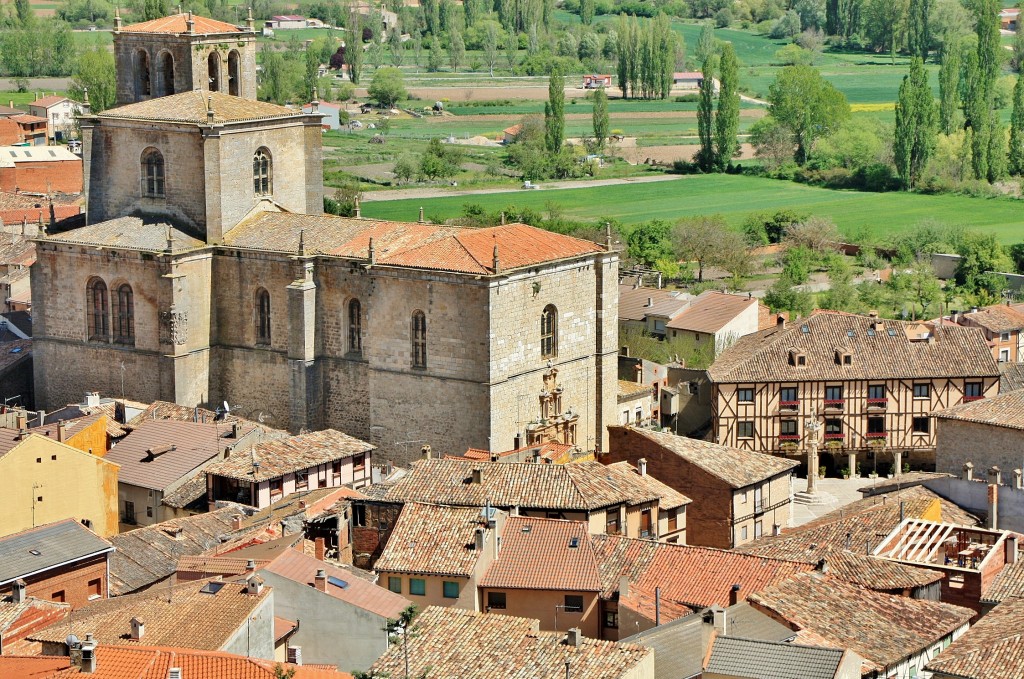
x=93 y=438
x=71 y=483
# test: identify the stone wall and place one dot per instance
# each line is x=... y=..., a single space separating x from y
x=958 y=442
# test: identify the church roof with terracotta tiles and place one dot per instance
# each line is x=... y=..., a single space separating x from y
x=178 y=23
x=194 y=107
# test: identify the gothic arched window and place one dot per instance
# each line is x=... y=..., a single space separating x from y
x=143 y=85
x=96 y=310
x=234 y=74
x=262 y=316
x=262 y=172
x=549 y=332
x=213 y=69
x=167 y=73
x=419 y=339
x=355 y=327
x=152 y=173
x=124 y=315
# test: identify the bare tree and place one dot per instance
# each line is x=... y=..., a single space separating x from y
x=701 y=239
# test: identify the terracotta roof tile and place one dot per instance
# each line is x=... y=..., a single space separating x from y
x=992 y=649
x=48 y=101
x=492 y=646
x=881 y=628
x=668 y=497
x=161 y=453
x=576 y=486
x=32 y=667
x=544 y=554
x=278 y=457
x=1004 y=410
x=191 y=107
x=18 y=620
x=628 y=390
x=633 y=302
x=133 y=233
x=738 y=468
x=764 y=356
x=711 y=311
x=434 y=540
x=183 y=615
x=1008 y=584
x=997 y=318
x=298 y=567
x=178 y=23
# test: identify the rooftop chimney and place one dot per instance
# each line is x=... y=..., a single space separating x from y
x=254 y=585
x=780 y=322
x=641 y=466
x=993 y=506
x=22 y=422
x=18 y=594
x=250 y=565
x=623 y=586
x=138 y=629
x=650 y=301
x=425 y=452
x=236 y=430
x=321 y=580
x=734 y=594
x=421 y=220
x=720 y=620
x=574 y=637
x=62 y=431
x=776 y=530
x=478 y=539
x=92 y=398
x=88 y=655
x=968 y=471
x=319 y=549
x=873 y=314
x=995 y=475
x=236 y=522
x=478 y=476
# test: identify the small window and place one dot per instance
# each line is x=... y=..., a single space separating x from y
x=745 y=429
x=573 y=603
x=745 y=395
x=923 y=390
x=496 y=601
x=549 y=332
x=743 y=497
x=418 y=586
x=1004 y=355
x=152 y=173
x=359 y=516
x=419 y=339
x=611 y=619
x=58 y=596
x=96 y=304
x=972 y=390
x=95 y=588
x=451 y=590
x=787 y=427
x=1004 y=337
x=876 y=425
x=833 y=393
x=355 y=327
x=262 y=317
x=787 y=396
x=834 y=426
x=262 y=168
x=876 y=392
x=673 y=519
x=611 y=525
x=801 y=360
x=922 y=425
x=743 y=533
x=124 y=318
x=395 y=584
x=757 y=529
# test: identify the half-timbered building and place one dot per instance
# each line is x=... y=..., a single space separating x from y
x=872 y=386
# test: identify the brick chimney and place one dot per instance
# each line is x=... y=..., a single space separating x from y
x=995 y=475
x=478 y=539
x=319 y=549
x=993 y=506
x=320 y=580
x=236 y=522
x=1011 y=549
x=734 y=594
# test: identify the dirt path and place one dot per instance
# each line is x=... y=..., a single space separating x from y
x=440 y=192
x=640 y=115
x=484 y=93
x=668 y=154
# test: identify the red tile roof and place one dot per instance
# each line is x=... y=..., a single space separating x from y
x=161 y=453
x=433 y=540
x=278 y=457
x=178 y=23
x=711 y=311
x=47 y=102
x=539 y=554
x=31 y=667
x=992 y=649
x=997 y=318
x=298 y=567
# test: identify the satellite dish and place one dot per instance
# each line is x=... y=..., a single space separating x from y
x=227 y=408
x=72 y=641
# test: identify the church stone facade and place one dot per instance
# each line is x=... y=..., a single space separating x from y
x=207 y=273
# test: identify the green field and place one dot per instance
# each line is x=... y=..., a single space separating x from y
x=880 y=214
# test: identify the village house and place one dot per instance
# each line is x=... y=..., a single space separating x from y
x=716 y=320
x=998 y=421
x=437 y=555
x=18 y=128
x=63 y=562
x=20 y=615
x=742 y=495
x=649 y=309
x=160 y=456
x=615 y=499
x=29 y=169
x=491 y=645
x=1003 y=326
x=59 y=113
x=87 y=433
x=739 y=658
x=637 y=405
x=895 y=636
x=549 y=452
x=16 y=372
x=870 y=386
x=345 y=320
x=206 y=615
x=49 y=480
x=991 y=649
x=277 y=468
x=20 y=214
x=144 y=661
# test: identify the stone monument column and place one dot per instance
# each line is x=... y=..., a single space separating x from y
x=812 y=426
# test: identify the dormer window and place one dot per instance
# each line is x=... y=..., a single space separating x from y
x=844 y=357
x=797 y=357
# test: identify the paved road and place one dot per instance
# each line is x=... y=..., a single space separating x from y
x=441 y=192
x=840 y=492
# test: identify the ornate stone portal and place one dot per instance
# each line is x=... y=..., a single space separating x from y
x=553 y=425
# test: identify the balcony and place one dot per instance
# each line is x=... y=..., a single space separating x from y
x=876 y=435
x=789 y=405
x=834 y=437
x=758 y=507
x=878 y=402
x=789 y=437
x=835 y=403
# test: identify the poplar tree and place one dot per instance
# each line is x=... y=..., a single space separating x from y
x=1016 y=155
x=918 y=35
x=727 y=119
x=705 y=43
x=980 y=74
x=554 y=113
x=705 y=118
x=915 y=124
x=587 y=12
x=354 y=50
x=949 y=86
x=600 y=116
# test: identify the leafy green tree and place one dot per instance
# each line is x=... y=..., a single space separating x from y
x=387 y=87
x=434 y=57
x=587 y=12
x=727 y=118
x=949 y=86
x=600 y=117
x=980 y=75
x=807 y=104
x=440 y=161
x=979 y=253
x=915 y=125
x=797 y=264
x=456 y=49
x=705 y=42
x=783 y=295
x=1016 y=154
x=396 y=48
x=354 y=52
x=405 y=168
x=1018 y=47
x=763 y=228
x=554 y=113
x=96 y=75
x=649 y=241
x=511 y=48
x=705 y=157
x=311 y=74
x=701 y=240
x=918 y=35
x=920 y=285
x=273 y=84
x=492 y=38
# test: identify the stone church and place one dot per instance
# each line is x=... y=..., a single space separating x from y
x=206 y=272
